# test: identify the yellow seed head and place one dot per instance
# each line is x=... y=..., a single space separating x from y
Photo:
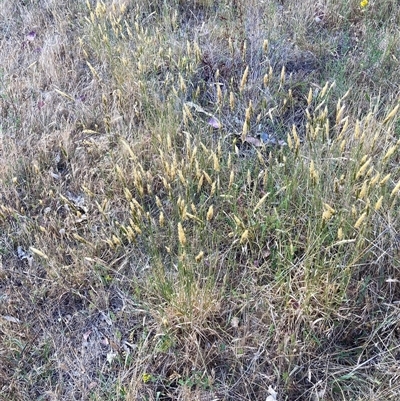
x=324 y=90
x=375 y=179
x=38 y=252
x=385 y=179
x=161 y=219
x=340 y=234
x=200 y=183
x=309 y=97
x=119 y=172
x=265 y=45
x=232 y=101
x=199 y=256
x=210 y=213
x=244 y=79
x=169 y=142
x=391 y=114
x=248 y=177
x=396 y=189
x=282 y=79
x=219 y=95
x=328 y=212
x=360 y=220
x=213 y=188
x=181 y=235
x=245 y=130
x=363 y=168
x=216 y=162
x=137 y=229
x=183 y=212
x=339 y=113
x=244 y=237
x=345 y=125
x=182 y=85
x=265 y=178
x=207 y=177
x=182 y=178
x=197 y=50
x=364 y=190
x=187 y=112
x=116 y=241
x=289 y=141
x=128 y=194
x=346 y=94
x=244 y=50
x=326 y=215
x=343 y=146
x=296 y=138
x=248 y=114
x=260 y=202
x=378 y=204
x=238 y=222
x=314 y=175
x=389 y=153
x=266 y=80
x=231 y=178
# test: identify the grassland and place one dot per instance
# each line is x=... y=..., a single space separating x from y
x=199 y=200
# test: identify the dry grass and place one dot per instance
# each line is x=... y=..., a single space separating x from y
x=199 y=200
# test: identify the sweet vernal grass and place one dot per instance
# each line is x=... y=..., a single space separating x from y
x=199 y=200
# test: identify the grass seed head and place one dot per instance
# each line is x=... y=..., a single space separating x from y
x=362 y=169
x=329 y=211
x=375 y=179
x=199 y=257
x=389 y=153
x=244 y=237
x=309 y=97
x=283 y=74
x=181 y=235
x=216 y=163
x=260 y=202
x=232 y=101
x=265 y=46
x=314 y=175
x=219 y=95
x=243 y=81
x=38 y=252
x=360 y=220
x=210 y=213
x=231 y=179
x=161 y=219
x=289 y=141
x=213 y=188
x=378 y=204
x=364 y=190
x=200 y=183
x=391 y=114
x=396 y=189
x=385 y=179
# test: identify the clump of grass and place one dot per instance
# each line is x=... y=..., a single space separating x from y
x=194 y=203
